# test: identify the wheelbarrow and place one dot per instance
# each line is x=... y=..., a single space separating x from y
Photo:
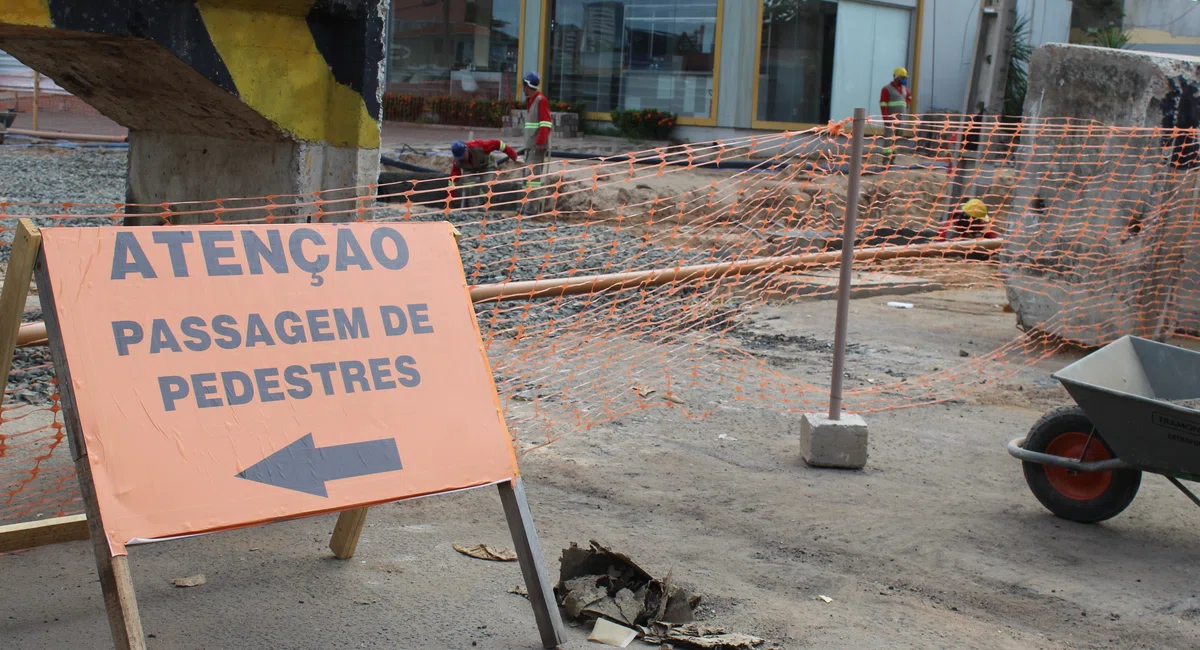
x=1134 y=413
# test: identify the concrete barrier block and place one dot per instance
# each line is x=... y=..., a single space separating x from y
x=1084 y=252
x=833 y=443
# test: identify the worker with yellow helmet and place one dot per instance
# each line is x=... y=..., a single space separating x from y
x=970 y=221
x=894 y=102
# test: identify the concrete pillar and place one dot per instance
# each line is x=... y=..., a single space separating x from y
x=1103 y=231
x=222 y=98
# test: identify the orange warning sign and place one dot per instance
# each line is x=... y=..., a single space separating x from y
x=226 y=376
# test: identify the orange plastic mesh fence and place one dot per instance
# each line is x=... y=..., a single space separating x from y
x=1091 y=233
x=22 y=100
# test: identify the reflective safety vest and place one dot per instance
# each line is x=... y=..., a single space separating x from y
x=532 y=123
x=897 y=100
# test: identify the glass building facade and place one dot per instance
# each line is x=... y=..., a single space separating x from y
x=633 y=54
x=795 y=70
x=460 y=48
x=735 y=63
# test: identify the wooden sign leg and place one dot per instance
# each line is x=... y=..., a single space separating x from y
x=27 y=241
x=346 y=533
x=529 y=554
x=115 y=581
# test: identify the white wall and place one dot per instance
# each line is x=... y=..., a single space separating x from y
x=1168 y=26
x=948 y=43
x=1175 y=17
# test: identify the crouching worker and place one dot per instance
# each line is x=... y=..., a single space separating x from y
x=969 y=221
x=474 y=159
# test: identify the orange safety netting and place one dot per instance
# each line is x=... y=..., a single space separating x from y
x=22 y=100
x=621 y=275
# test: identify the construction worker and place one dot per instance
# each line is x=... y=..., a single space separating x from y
x=475 y=158
x=970 y=221
x=894 y=102
x=537 y=140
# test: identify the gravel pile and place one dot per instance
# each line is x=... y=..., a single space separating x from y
x=53 y=175
x=45 y=174
x=494 y=249
x=498 y=249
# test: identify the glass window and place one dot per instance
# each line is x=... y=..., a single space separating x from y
x=795 y=72
x=461 y=48
x=634 y=54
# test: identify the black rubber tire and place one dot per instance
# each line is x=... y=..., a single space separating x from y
x=1116 y=498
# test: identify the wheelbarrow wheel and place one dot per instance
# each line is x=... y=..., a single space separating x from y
x=1085 y=497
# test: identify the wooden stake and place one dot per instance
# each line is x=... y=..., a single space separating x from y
x=346 y=532
x=26 y=243
x=115 y=581
x=529 y=554
x=37 y=95
x=18 y=537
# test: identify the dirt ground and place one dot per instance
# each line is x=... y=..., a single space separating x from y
x=936 y=544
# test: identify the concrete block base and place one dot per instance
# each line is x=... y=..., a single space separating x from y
x=833 y=443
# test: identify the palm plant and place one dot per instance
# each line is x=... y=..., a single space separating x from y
x=1020 y=50
x=1111 y=37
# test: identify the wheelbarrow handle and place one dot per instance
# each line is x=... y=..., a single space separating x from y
x=1017 y=451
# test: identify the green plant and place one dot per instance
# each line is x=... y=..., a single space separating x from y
x=646 y=124
x=1111 y=37
x=1016 y=84
x=462 y=111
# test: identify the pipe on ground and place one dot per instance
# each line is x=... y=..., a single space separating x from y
x=35 y=333
x=59 y=135
x=530 y=289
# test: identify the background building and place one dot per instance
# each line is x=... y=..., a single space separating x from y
x=726 y=66
x=1167 y=26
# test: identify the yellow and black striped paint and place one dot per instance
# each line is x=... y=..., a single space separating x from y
x=311 y=67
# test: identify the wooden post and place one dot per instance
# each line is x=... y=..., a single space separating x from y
x=847 y=266
x=346 y=532
x=37 y=96
x=26 y=242
x=529 y=554
x=18 y=537
x=115 y=581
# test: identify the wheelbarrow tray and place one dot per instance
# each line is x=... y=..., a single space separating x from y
x=1126 y=389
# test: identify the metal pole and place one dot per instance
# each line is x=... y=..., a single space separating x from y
x=37 y=95
x=848 y=228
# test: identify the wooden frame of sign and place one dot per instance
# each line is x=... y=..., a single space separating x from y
x=115 y=580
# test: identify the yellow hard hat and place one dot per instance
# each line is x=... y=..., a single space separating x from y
x=976 y=209
x=900 y=72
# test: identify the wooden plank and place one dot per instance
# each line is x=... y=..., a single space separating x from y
x=347 y=531
x=18 y=537
x=115 y=581
x=27 y=240
x=529 y=554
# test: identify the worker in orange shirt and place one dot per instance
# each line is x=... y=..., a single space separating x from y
x=538 y=125
x=894 y=102
x=475 y=158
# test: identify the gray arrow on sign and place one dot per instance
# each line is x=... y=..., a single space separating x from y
x=302 y=467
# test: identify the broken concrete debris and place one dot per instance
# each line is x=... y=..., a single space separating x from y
x=610 y=633
x=486 y=552
x=190 y=581
x=599 y=585
x=699 y=635
x=596 y=582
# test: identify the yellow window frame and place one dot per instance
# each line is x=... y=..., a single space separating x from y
x=756 y=123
